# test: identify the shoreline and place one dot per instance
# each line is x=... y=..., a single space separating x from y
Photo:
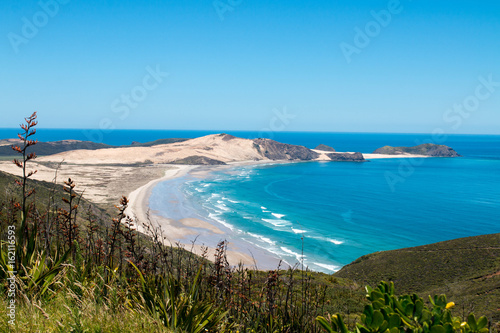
x=183 y=229
x=139 y=198
x=195 y=233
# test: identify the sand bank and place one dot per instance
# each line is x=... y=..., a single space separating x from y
x=379 y=156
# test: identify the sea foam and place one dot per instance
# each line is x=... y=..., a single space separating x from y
x=335 y=241
x=215 y=217
x=265 y=239
x=277 y=222
x=298 y=256
x=332 y=268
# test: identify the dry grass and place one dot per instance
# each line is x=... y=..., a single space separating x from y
x=63 y=314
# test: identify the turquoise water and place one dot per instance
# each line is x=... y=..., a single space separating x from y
x=327 y=214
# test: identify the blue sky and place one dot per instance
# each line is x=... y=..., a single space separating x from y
x=335 y=66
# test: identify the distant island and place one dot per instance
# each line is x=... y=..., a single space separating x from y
x=324 y=148
x=426 y=149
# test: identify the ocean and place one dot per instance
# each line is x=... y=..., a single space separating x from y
x=324 y=215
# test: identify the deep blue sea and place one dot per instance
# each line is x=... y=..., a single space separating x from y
x=327 y=214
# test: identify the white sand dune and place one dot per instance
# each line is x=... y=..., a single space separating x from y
x=220 y=147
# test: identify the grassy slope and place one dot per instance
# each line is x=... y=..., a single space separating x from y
x=467 y=270
x=62 y=315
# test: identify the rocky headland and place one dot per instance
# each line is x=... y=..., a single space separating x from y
x=346 y=157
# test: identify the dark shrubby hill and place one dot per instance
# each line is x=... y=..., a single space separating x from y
x=55 y=147
x=427 y=149
x=157 y=142
x=467 y=270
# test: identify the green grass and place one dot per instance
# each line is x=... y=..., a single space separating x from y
x=64 y=314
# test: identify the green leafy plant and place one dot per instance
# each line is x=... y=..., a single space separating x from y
x=388 y=313
x=179 y=308
x=36 y=272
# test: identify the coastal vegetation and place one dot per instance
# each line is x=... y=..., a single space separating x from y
x=466 y=269
x=390 y=313
x=75 y=267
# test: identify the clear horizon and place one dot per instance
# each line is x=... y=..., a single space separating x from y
x=379 y=67
x=236 y=130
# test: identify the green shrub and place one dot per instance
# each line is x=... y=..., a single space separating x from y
x=388 y=313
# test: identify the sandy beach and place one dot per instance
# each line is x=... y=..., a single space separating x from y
x=194 y=233
x=380 y=156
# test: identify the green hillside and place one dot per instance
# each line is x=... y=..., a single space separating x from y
x=467 y=270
